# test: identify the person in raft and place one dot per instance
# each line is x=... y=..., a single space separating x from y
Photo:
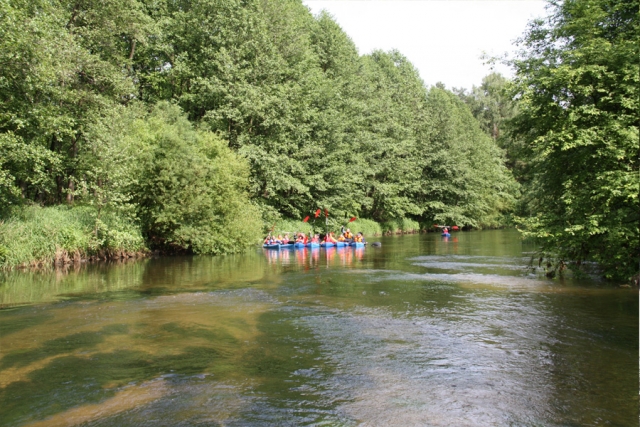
x=341 y=238
x=359 y=238
x=315 y=239
x=348 y=235
x=329 y=238
x=445 y=230
x=286 y=239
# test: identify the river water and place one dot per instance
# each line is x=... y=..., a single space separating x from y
x=424 y=331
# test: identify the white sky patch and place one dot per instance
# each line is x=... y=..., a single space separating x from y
x=443 y=39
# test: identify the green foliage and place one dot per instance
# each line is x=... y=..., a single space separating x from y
x=62 y=67
x=281 y=117
x=289 y=226
x=577 y=80
x=464 y=179
x=402 y=225
x=493 y=105
x=40 y=234
x=367 y=227
x=191 y=190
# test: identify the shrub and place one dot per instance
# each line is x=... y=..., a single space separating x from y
x=192 y=191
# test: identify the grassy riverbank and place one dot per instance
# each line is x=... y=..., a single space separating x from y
x=34 y=236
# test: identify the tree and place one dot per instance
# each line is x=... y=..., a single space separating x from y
x=463 y=176
x=63 y=66
x=577 y=82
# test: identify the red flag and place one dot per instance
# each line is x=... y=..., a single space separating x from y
x=306 y=218
x=326 y=213
x=318 y=213
x=353 y=218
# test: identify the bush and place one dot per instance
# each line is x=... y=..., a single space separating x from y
x=192 y=191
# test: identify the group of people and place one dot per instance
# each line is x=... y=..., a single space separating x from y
x=345 y=236
x=300 y=238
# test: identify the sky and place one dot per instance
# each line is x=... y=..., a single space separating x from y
x=443 y=39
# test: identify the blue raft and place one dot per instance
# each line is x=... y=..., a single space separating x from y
x=278 y=246
x=446 y=235
x=357 y=244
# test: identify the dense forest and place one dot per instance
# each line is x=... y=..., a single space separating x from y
x=196 y=125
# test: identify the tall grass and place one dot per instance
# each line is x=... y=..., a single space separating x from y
x=399 y=226
x=290 y=226
x=33 y=235
x=367 y=227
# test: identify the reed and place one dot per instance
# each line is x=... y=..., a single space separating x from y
x=400 y=226
x=34 y=236
x=367 y=227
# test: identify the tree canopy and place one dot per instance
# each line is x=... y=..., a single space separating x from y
x=577 y=81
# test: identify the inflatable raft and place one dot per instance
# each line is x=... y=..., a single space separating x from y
x=278 y=246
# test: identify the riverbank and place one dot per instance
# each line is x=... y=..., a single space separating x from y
x=37 y=237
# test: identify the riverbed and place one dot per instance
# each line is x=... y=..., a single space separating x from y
x=423 y=331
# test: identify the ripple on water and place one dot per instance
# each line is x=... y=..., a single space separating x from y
x=398 y=371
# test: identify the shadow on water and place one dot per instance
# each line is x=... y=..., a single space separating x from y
x=422 y=331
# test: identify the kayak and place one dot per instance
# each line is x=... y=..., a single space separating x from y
x=313 y=245
x=298 y=245
x=446 y=235
x=326 y=244
x=357 y=244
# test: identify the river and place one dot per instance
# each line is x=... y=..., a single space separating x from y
x=423 y=331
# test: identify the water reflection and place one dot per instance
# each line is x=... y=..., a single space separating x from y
x=311 y=258
x=421 y=331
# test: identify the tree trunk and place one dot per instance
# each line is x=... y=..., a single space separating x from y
x=71 y=186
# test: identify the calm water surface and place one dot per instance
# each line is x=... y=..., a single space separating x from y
x=421 y=332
